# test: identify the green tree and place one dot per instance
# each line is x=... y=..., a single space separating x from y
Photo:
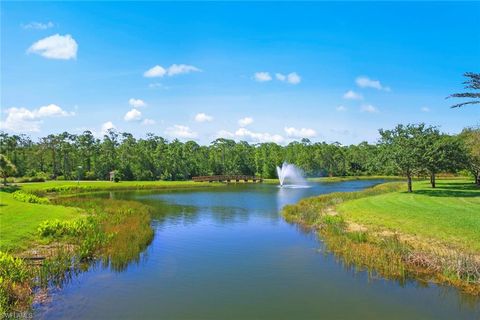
x=404 y=146
x=7 y=168
x=471 y=139
x=443 y=153
x=472 y=82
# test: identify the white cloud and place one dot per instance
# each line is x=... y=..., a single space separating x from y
x=341 y=108
x=293 y=78
x=262 y=76
x=136 y=103
x=148 y=122
x=245 y=121
x=352 y=95
x=202 y=117
x=107 y=126
x=175 y=69
x=300 y=133
x=133 y=115
x=179 y=131
x=369 y=108
x=55 y=47
x=38 y=25
x=366 y=82
x=225 y=134
x=156 y=71
x=25 y=120
x=248 y=135
x=425 y=109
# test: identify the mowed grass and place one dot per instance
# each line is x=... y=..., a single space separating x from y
x=87 y=186
x=19 y=220
x=449 y=213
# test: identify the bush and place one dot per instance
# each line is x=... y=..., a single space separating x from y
x=60 y=178
x=28 y=197
x=13 y=269
x=14 y=283
x=57 y=228
x=90 y=175
x=30 y=179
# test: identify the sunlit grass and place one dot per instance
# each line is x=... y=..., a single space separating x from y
x=449 y=213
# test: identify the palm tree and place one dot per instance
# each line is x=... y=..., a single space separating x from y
x=473 y=82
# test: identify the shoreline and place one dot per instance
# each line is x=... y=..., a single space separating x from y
x=113 y=232
x=389 y=253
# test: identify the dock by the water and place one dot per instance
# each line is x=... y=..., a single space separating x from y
x=227 y=178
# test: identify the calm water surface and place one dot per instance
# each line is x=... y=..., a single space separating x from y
x=228 y=254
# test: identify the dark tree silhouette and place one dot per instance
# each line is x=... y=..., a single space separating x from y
x=473 y=82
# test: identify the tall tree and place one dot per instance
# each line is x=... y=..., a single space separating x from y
x=472 y=82
x=405 y=147
x=443 y=153
x=471 y=138
x=7 y=168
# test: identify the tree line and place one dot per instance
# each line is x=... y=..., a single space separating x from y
x=408 y=150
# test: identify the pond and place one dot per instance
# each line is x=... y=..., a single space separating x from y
x=226 y=253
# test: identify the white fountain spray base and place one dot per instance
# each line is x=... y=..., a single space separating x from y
x=292 y=174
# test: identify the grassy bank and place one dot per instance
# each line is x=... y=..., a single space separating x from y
x=19 y=220
x=114 y=232
x=450 y=213
x=431 y=234
x=352 y=178
x=71 y=187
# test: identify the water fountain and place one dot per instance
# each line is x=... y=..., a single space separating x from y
x=293 y=175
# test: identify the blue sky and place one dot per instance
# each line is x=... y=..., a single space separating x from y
x=247 y=71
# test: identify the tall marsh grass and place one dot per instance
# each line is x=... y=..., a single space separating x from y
x=115 y=232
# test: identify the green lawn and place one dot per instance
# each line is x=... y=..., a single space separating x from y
x=86 y=186
x=449 y=213
x=19 y=220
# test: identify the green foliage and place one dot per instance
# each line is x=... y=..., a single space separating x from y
x=13 y=269
x=60 y=228
x=7 y=168
x=29 y=197
x=153 y=158
x=473 y=83
x=471 y=140
x=14 y=278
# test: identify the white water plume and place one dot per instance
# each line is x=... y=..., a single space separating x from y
x=293 y=175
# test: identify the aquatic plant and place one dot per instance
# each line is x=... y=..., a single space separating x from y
x=29 y=197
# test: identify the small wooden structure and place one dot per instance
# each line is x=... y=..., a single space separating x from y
x=227 y=178
x=112 y=175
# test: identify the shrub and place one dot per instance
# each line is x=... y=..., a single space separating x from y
x=14 y=283
x=28 y=197
x=90 y=175
x=13 y=269
x=75 y=228
x=30 y=179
